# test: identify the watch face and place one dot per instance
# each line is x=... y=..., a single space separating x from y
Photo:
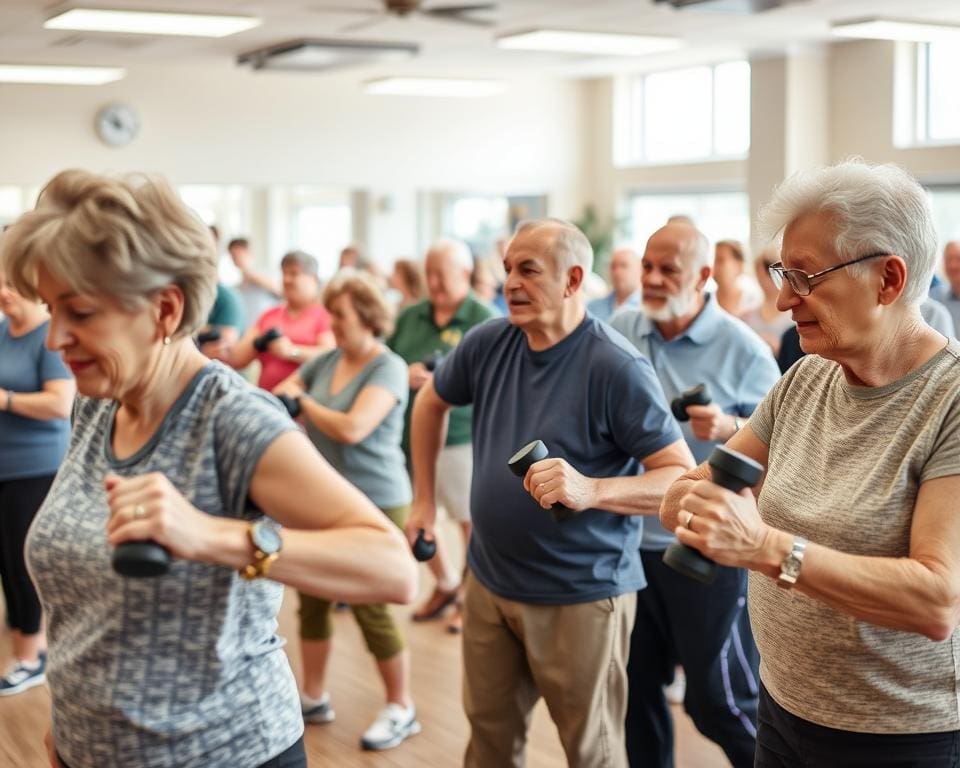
x=791 y=567
x=266 y=537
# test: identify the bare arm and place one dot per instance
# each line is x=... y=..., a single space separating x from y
x=371 y=406
x=241 y=354
x=261 y=281
x=553 y=481
x=54 y=401
x=428 y=433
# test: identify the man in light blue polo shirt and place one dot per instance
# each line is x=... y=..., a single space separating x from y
x=690 y=340
x=948 y=293
x=625 y=280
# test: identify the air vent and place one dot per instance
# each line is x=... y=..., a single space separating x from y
x=107 y=42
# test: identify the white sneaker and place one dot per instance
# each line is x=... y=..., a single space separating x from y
x=392 y=726
x=21 y=677
x=677 y=689
x=317 y=711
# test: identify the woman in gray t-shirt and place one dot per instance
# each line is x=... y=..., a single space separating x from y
x=352 y=400
x=854 y=537
x=183 y=670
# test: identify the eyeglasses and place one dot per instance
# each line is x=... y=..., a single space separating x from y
x=800 y=282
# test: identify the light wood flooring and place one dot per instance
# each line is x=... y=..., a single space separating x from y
x=357 y=696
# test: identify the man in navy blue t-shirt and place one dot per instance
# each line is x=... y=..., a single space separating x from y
x=549 y=605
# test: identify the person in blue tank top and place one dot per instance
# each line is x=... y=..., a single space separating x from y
x=36 y=392
x=549 y=605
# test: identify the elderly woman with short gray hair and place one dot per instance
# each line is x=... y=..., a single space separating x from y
x=852 y=536
x=286 y=336
x=185 y=669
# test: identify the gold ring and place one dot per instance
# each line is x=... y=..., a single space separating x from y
x=689 y=520
x=138 y=512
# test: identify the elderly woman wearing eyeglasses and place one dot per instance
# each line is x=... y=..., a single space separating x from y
x=853 y=535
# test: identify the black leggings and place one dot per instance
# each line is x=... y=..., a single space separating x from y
x=19 y=501
x=787 y=741
x=294 y=757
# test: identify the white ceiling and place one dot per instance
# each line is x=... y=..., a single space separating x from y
x=450 y=49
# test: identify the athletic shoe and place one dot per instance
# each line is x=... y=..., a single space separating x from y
x=392 y=726
x=22 y=678
x=320 y=712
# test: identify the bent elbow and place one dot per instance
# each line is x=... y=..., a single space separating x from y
x=939 y=623
x=406 y=585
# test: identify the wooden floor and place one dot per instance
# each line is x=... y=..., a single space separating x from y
x=357 y=696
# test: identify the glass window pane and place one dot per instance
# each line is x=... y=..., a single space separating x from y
x=732 y=100
x=944 y=101
x=322 y=231
x=675 y=127
x=719 y=215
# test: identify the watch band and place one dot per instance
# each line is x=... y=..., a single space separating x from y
x=260 y=566
x=792 y=563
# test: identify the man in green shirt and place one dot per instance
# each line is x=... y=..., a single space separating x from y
x=425 y=332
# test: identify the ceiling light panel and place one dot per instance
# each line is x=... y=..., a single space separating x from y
x=896 y=29
x=56 y=75
x=428 y=86
x=593 y=43
x=151 y=22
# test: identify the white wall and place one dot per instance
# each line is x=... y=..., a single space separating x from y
x=219 y=124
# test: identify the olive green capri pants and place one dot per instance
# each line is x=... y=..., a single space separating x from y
x=380 y=631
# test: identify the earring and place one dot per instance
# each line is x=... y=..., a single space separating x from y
x=166 y=341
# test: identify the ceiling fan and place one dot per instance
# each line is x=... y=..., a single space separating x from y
x=459 y=13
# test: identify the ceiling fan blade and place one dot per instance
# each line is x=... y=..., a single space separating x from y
x=442 y=15
x=365 y=23
x=466 y=8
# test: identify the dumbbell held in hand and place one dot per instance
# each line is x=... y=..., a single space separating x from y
x=521 y=461
x=265 y=339
x=698 y=395
x=424 y=549
x=292 y=404
x=207 y=336
x=140 y=559
x=730 y=470
x=431 y=361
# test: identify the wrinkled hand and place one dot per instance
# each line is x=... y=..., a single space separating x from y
x=418 y=375
x=709 y=422
x=422 y=515
x=553 y=481
x=282 y=347
x=289 y=388
x=149 y=507
x=724 y=526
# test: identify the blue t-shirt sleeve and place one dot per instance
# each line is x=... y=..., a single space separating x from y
x=454 y=378
x=640 y=421
x=390 y=372
x=757 y=379
x=51 y=366
x=246 y=423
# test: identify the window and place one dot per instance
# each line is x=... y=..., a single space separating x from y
x=945 y=201
x=720 y=215
x=653 y=125
x=318 y=220
x=927 y=99
x=227 y=208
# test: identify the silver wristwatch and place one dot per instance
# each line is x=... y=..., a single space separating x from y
x=790 y=567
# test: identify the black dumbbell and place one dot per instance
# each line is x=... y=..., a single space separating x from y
x=431 y=361
x=207 y=336
x=730 y=470
x=698 y=395
x=265 y=339
x=140 y=559
x=292 y=404
x=520 y=462
x=423 y=550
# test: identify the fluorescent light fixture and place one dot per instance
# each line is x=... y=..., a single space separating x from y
x=896 y=29
x=151 y=22
x=55 y=75
x=433 y=86
x=311 y=54
x=593 y=43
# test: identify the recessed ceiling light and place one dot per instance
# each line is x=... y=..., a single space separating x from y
x=151 y=22
x=896 y=29
x=433 y=86
x=57 y=75
x=594 y=43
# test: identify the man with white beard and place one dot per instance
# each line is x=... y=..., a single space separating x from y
x=690 y=340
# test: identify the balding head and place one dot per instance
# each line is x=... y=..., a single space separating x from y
x=624 y=272
x=690 y=242
x=676 y=265
x=562 y=241
x=448 y=266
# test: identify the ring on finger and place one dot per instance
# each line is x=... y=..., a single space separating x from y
x=138 y=512
x=689 y=520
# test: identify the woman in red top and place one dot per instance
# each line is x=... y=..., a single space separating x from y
x=301 y=320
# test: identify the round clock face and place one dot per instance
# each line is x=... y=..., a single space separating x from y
x=117 y=124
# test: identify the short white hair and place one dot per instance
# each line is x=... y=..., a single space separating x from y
x=458 y=250
x=876 y=209
x=570 y=246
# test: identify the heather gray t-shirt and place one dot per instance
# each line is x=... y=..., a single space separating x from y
x=846 y=464
x=180 y=671
x=376 y=464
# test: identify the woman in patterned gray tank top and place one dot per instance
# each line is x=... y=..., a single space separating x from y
x=852 y=536
x=185 y=669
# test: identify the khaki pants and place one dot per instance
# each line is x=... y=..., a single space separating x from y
x=575 y=656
